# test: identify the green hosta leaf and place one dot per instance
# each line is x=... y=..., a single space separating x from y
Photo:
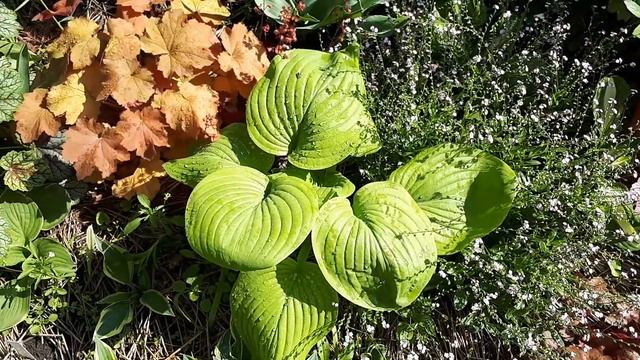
x=49 y=260
x=15 y=296
x=24 y=170
x=233 y=148
x=308 y=106
x=609 y=103
x=118 y=265
x=243 y=219
x=633 y=6
x=10 y=92
x=378 y=253
x=282 y=312
x=104 y=351
x=9 y=26
x=466 y=193
x=328 y=183
x=14 y=256
x=113 y=319
x=54 y=203
x=20 y=221
x=156 y=302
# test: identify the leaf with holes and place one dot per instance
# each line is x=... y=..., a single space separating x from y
x=378 y=253
x=466 y=193
x=244 y=220
x=283 y=311
x=232 y=148
x=328 y=183
x=309 y=107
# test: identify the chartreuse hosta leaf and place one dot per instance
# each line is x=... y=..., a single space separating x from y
x=232 y=148
x=328 y=183
x=283 y=311
x=466 y=193
x=242 y=219
x=309 y=106
x=15 y=296
x=378 y=253
x=20 y=222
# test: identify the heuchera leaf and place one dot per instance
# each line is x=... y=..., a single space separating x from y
x=282 y=312
x=244 y=54
x=24 y=170
x=79 y=40
x=309 y=107
x=328 y=183
x=11 y=91
x=143 y=131
x=378 y=253
x=144 y=180
x=210 y=11
x=466 y=193
x=33 y=118
x=232 y=148
x=9 y=26
x=242 y=219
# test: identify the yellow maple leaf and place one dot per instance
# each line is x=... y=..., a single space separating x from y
x=79 y=40
x=123 y=41
x=70 y=99
x=182 y=45
x=127 y=82
x=193 y=109
x=210 y=11
x=143 y=181
x=32 y=119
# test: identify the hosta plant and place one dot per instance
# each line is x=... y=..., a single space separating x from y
x=378 y=250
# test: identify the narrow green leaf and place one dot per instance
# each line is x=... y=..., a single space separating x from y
x=609 y=103
x=132 y=226
x=144 y=201
x=633 y=6
x=104 y=351
x=23 y=69
x=156 y=302
x=113 y=319
x=116 y=297
x=117 y=265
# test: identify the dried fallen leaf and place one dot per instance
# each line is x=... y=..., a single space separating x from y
x=143 y=181
x=137 y=5
x=123 y=41
x=79 y=40
x=137 y=19
x=193 y=109
x=127 y=82
x=229 y=84
x=33 y=119
x=93 y=147
x=143 y=131
x=245 y=55
x=182 y=46
x=59 y=8
x=210 y=11
x=70 y=99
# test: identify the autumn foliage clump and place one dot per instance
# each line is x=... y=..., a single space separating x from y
x=143 y=89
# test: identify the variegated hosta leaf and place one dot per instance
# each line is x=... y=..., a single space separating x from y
x=282 y=312
x=466 y=193
x=378 y=253
x=309 y=106
x=20 y=221
x=242 y=219
x=24 y=170
x=233 y=147
x=328 y=183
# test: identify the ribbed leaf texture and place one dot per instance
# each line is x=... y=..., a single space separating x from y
x=309 y=106
x=232 y=148
x=20 y=221
x=282 y=312
x=378 y=253
x=242 y=219
x=328 y=183
x=466 y=193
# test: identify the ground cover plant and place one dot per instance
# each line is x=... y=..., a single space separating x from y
x=318 y=180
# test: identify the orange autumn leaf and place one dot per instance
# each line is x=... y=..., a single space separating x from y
x=229 y=84
x=182 y=45
x=59 y=8
x=72 y=100
x=137 y=5
x=123 y=41
x=93 y=147
x=79 y=40
x=210 y=11
x=127 y=82
x=193 y=109
x=143 y=181
x=137 y=19
x=33 y=119
x=244 y=54
x=143 y=132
